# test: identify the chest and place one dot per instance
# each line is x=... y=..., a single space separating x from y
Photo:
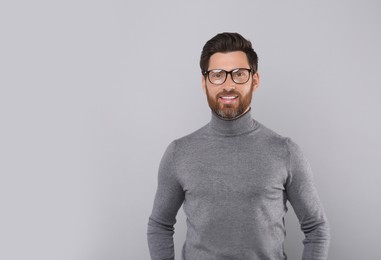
x=233 y=172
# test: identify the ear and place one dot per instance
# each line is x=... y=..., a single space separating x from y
x=203 y=84
x=255 y=81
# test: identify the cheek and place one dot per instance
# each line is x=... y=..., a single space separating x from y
x=212 y=91
x=246 y=90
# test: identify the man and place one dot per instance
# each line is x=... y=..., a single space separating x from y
x=234 y=175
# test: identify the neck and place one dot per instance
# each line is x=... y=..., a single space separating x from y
x=239 y=125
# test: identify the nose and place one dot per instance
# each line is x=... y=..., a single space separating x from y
x=229 y=84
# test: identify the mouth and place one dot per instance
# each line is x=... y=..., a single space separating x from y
x=228 y=99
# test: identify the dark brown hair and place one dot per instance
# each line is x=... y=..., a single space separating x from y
x=228 y=42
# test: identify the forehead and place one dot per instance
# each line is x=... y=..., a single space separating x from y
x=228 y=60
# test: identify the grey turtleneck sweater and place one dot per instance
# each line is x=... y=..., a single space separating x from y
x=234 y=179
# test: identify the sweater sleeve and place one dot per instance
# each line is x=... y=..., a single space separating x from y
x=168 y=200
x=304 y=199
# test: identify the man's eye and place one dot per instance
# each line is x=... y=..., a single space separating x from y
x=240 y=74
x=216 y=75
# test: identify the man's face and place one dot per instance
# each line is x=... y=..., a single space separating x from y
x=229 y=100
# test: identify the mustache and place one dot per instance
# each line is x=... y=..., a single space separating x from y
x=228 y=93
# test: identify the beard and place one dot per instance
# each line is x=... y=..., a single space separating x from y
x=229 y=111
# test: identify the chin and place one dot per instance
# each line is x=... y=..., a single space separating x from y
x=228 y=114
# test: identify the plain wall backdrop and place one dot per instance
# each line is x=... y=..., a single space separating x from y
x=92 y=92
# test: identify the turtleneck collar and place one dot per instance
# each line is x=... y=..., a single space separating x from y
x=243 y=124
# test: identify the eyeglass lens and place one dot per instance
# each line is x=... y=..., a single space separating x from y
x=239 y=76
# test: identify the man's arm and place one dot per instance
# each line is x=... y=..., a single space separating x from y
x=168 y=200
x=304 y=199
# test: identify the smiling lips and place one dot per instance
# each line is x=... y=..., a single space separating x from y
x=228 y=99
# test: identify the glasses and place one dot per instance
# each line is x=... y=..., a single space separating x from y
x=218 y=76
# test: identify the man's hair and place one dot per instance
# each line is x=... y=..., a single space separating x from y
x=228 y=42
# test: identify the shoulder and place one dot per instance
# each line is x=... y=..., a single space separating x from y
x=179 y=146
x=279 y=144
x=270 y=138
x=191 y=138
x=285 y=147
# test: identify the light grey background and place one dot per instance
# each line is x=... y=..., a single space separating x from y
x=92 y=92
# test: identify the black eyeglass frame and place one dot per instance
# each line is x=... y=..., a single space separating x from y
x=206 y=75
